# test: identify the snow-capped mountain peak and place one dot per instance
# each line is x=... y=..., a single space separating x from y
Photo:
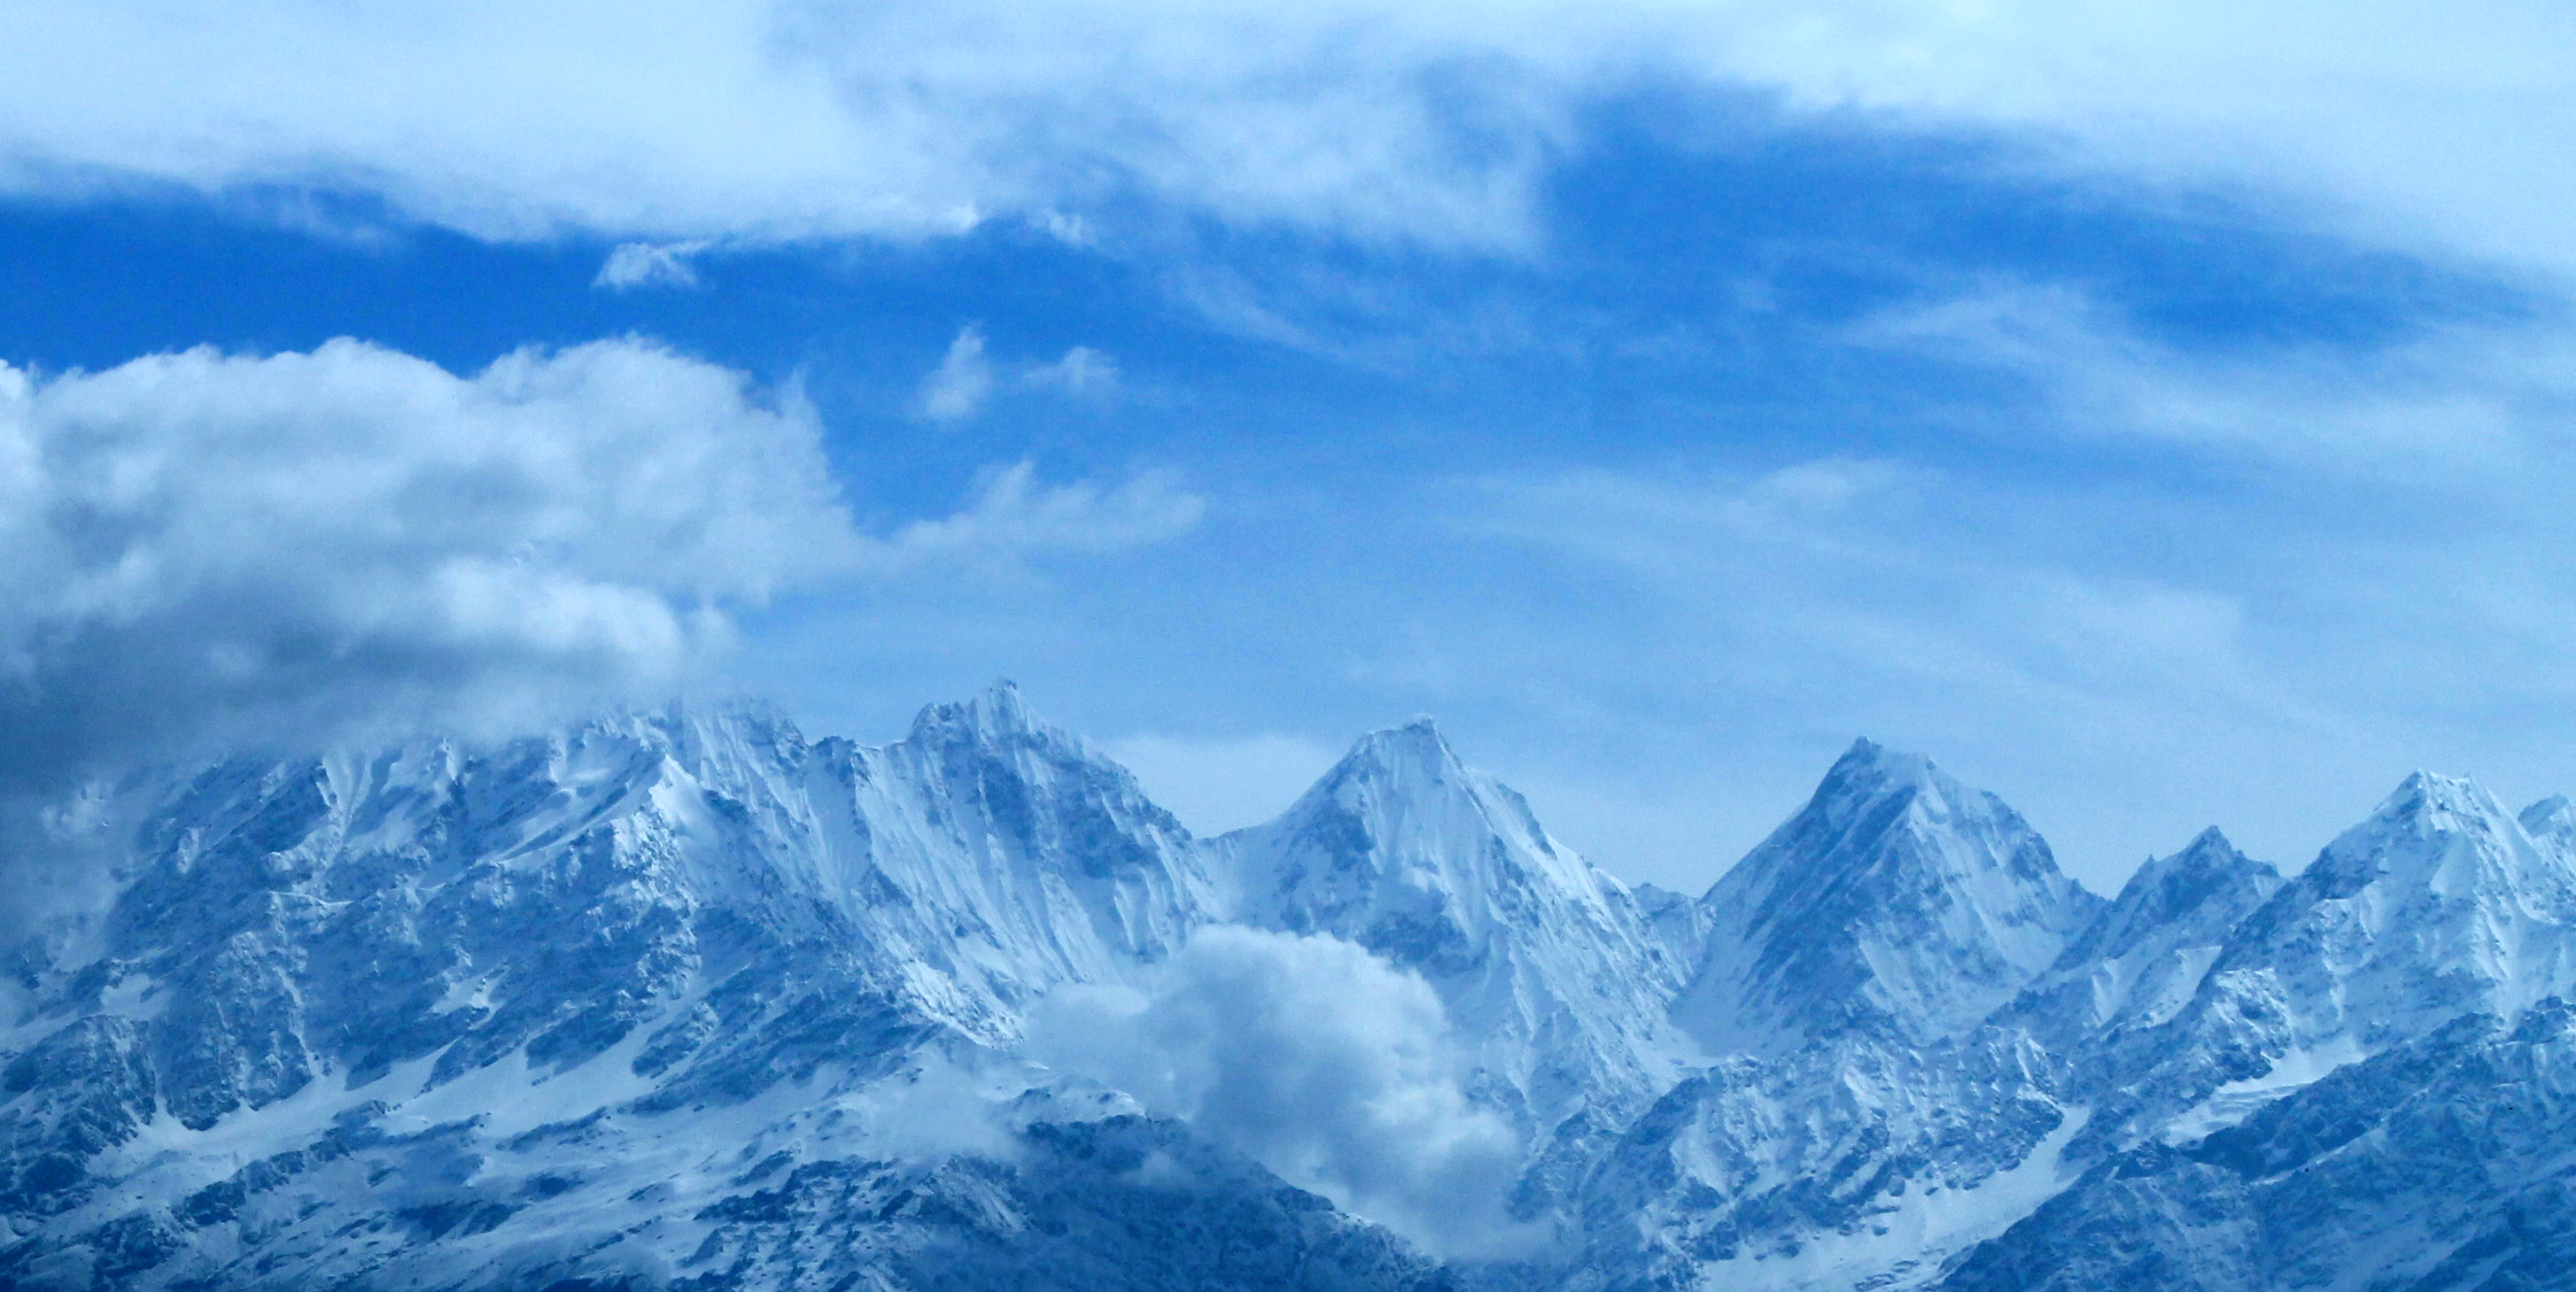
x=1896 y=897
x=1401 y=826
x=994 y=714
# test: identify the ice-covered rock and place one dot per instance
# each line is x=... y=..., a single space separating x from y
x=1857 y=1157
x=674 y=931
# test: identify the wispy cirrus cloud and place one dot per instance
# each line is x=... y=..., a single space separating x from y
x=1014 y=515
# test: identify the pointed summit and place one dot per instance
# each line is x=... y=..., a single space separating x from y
x=1867 y=760
x=1052 y=847
x=1414 y=754
x=1896 y=898
x=2181 y=889
x=1400 y=820
x=997 y=711
x=2437 y=906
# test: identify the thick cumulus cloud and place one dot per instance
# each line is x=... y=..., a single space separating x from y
x=805 y=118
x=1330 y=1066
x=208 y=547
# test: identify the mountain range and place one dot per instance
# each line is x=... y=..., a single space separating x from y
x=682 y=999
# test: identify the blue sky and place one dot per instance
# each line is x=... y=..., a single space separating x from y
x=1660 y=397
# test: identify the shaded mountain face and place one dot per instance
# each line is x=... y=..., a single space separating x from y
x=686 y=1000
x=1896 y=901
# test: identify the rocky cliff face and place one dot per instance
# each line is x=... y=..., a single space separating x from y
x=686 y=1000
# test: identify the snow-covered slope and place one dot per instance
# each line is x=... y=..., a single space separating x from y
x=1849 y=1159
x=2444 y=1164
x=1896 y=901
x=1864 y=1122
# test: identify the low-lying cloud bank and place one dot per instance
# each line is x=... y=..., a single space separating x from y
x=1330 y=1066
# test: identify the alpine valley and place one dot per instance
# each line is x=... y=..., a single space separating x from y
x=683 y=999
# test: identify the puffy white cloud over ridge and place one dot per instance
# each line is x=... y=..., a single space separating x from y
x=1332 y=1067
x=236 y=547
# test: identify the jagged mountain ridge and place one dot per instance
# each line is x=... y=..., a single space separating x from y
x=667 y=1000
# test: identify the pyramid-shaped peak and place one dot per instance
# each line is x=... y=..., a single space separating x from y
x=1870 y=759
x=2208 y=853
x=1896 y=896
x=1415 y=750
x=1869 y=766
x=2430 y=827
x=2210 y=845
x=2438 y=802
x=1872 y=781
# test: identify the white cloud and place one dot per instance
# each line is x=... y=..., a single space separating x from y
x=201 y=545
x=966 y=379
x=818 y=118
x=956 y=389
x=1083 y=373
x=1327 y=1064
x=644 y=264
x=1013 y=515
x=207 y=546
